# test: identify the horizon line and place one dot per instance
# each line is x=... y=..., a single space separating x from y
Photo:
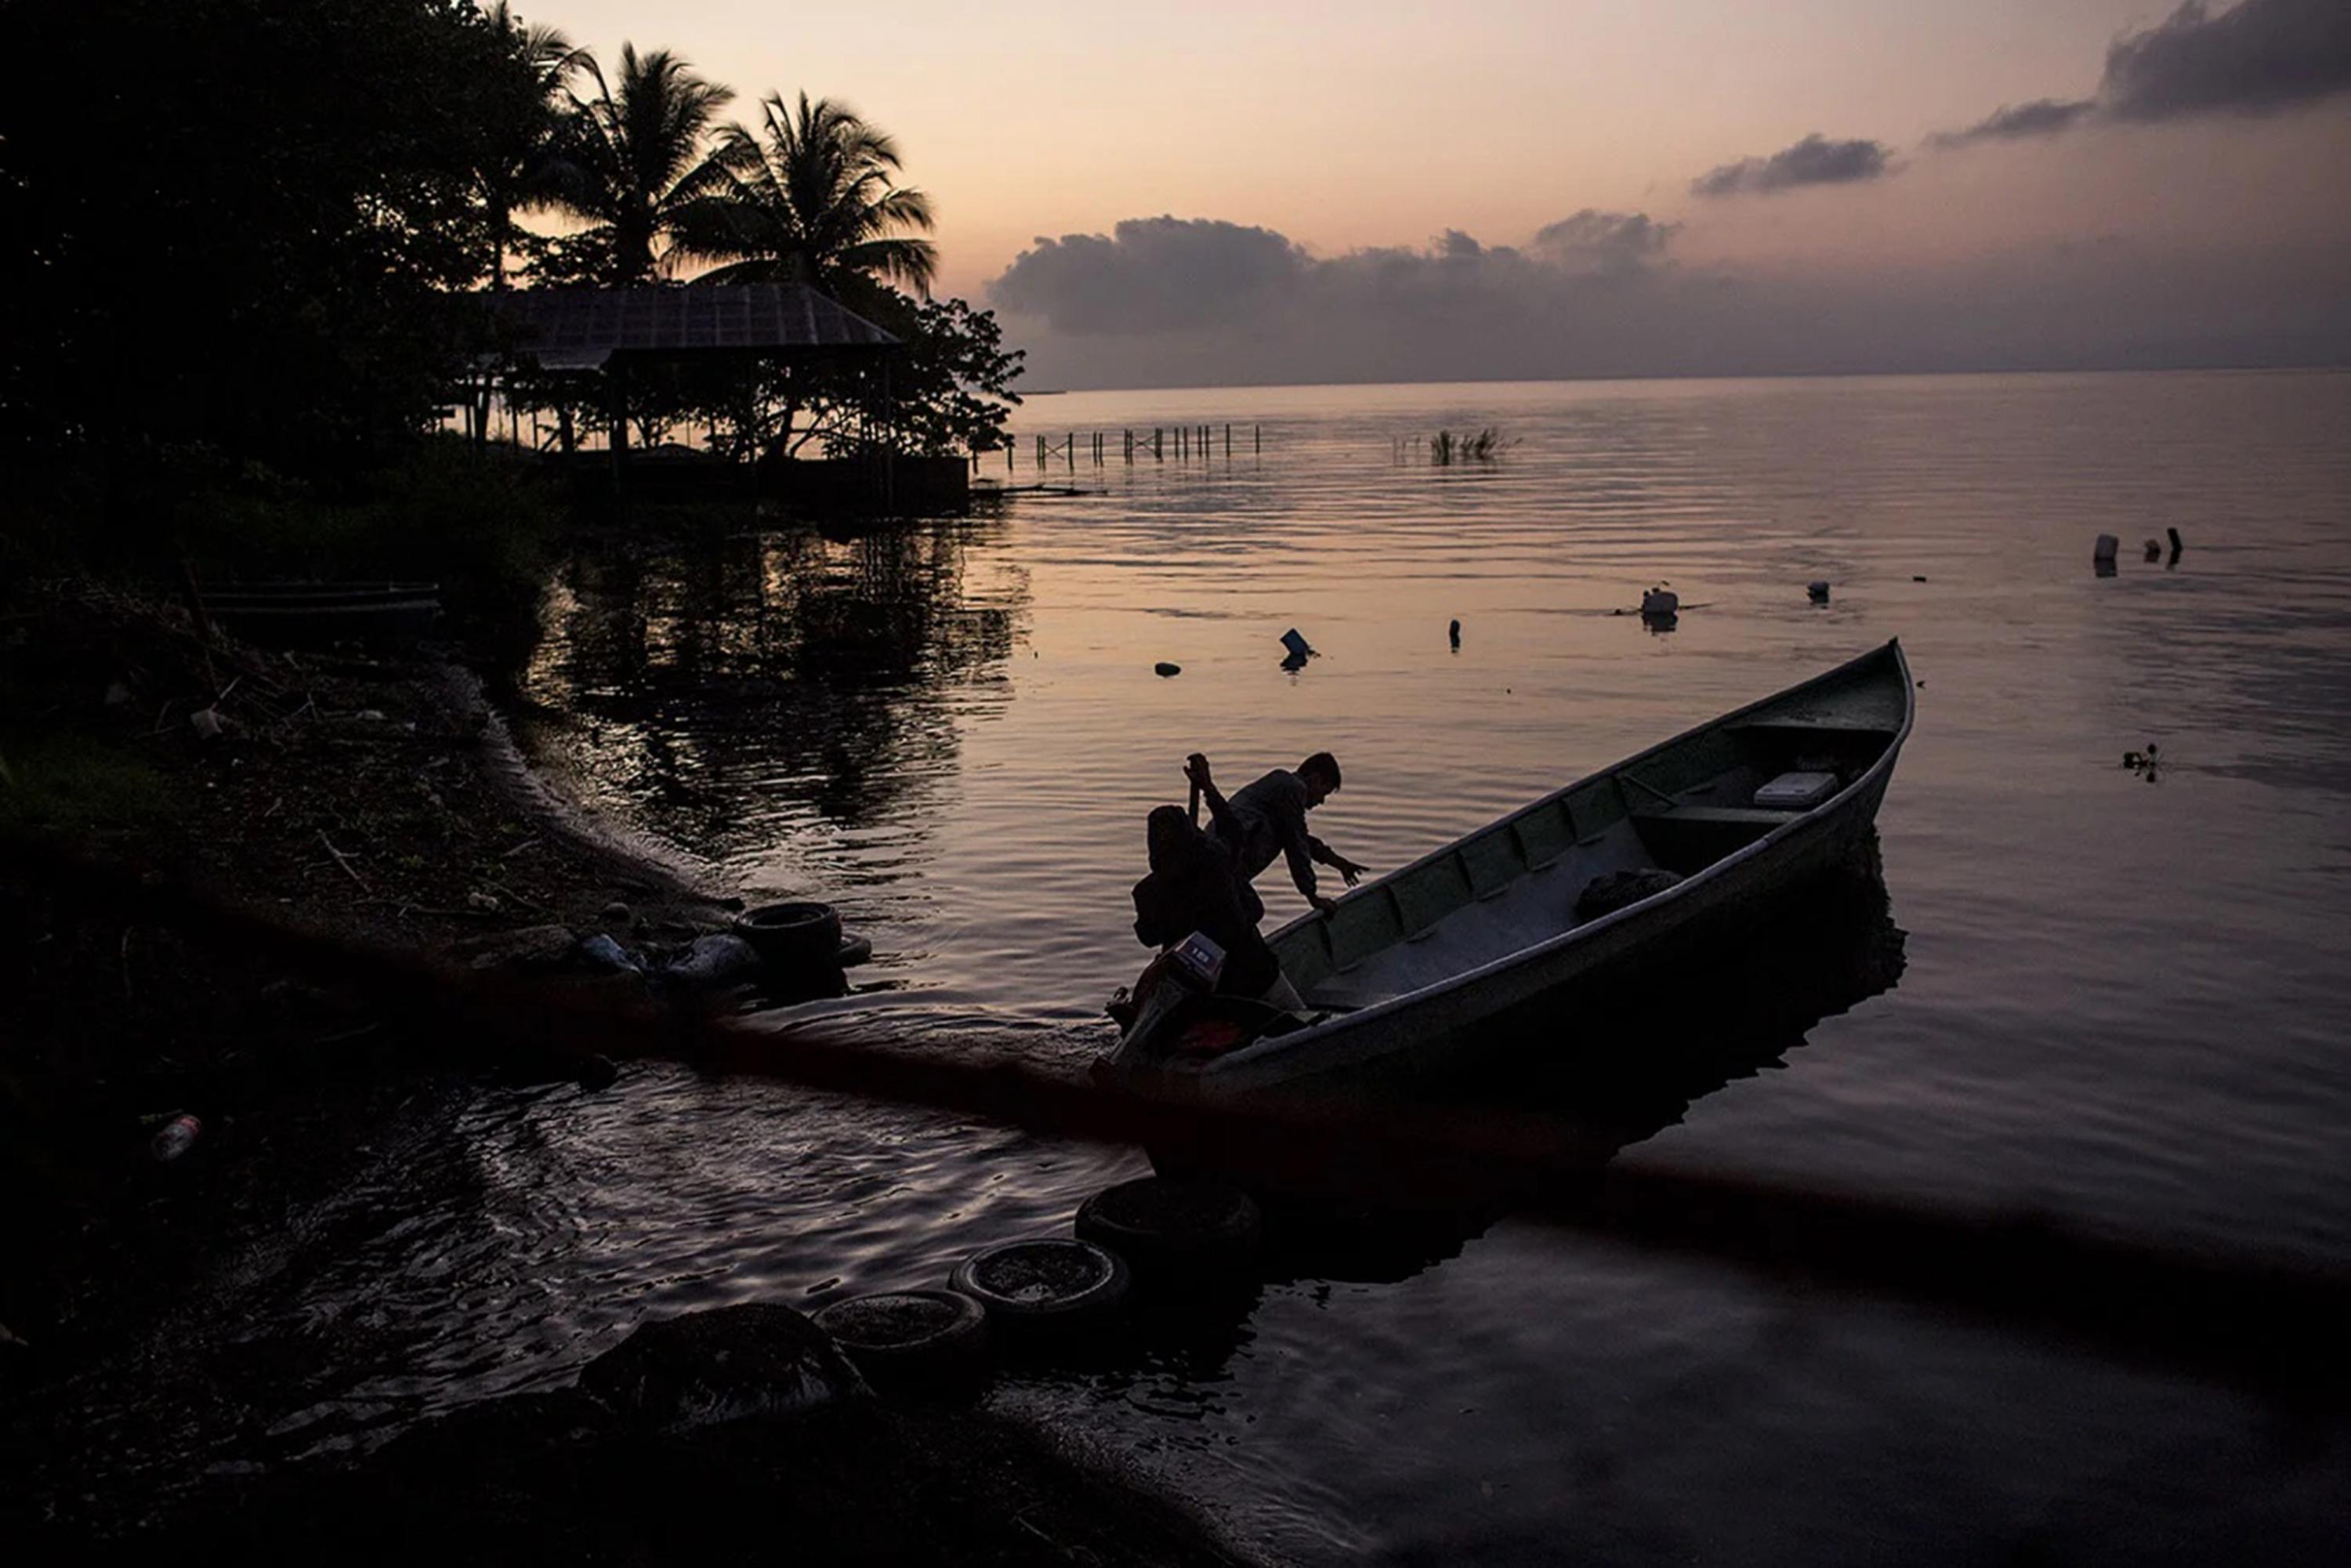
x=2320 y=368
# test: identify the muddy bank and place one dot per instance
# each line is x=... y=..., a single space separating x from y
x=365 y=799
x=700 y=1434
x=369 y=802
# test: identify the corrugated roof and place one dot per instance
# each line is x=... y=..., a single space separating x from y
x=578 y=328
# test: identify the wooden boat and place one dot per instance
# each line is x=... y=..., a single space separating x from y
x=312 y=615
x=1409 y=965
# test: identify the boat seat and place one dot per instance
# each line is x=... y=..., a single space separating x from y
x=1732 y=816
x=1797 y=724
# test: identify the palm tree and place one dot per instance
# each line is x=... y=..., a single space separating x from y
x=519 y=171
x=634 y=163
x=810 y=199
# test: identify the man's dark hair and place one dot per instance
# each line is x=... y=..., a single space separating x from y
x=1325 y=764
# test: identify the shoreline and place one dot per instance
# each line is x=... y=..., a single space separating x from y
x=378 y=803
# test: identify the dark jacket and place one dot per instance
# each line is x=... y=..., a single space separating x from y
x=1192 y=887
x=1266 y=819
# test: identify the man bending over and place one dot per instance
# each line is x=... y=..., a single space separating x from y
x=1269 y=818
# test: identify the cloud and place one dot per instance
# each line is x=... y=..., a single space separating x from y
x=1165 y=274
x=1599 y=294
x=2041 y=117
x=1150 y=274
x=2257 y=57
x=1814 y=160
x=1604 y=245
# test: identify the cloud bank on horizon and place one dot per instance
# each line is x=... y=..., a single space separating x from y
x=1197 y=302
x=1169 y=300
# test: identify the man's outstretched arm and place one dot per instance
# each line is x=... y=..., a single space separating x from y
x=1297 y=848
x=1351 y=871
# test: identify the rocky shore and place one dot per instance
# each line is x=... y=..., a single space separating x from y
x=366 y=802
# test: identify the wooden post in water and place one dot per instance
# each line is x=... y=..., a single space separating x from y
x=1070 y=450
x=1159 y=453
x=1257 y=433
x=1228 y=441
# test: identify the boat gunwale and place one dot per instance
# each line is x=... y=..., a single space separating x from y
x=1276 y=1045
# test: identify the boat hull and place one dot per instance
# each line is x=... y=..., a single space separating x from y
x=1534 y=989
x=316 y=614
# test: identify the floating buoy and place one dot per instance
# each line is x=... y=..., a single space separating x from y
x=910 y=1339
x=2103 y=550
x=1817 y=590
x=1296 y=644
x=1660 y=604
x=1454 y=633
x=1174 y=1227
x=1164 y=668
x=1044 y=1283
x=2154 y=549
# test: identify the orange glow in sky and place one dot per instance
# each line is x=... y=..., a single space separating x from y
x=1379 y=124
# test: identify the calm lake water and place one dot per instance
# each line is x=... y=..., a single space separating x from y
x=2115 y=997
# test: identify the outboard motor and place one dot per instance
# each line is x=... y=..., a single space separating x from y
x=1185 y=972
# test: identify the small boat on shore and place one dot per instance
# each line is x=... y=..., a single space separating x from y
x=312 y=614
x=1697 y=835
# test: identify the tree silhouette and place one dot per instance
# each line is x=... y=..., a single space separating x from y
x=521 y=167
x=810 y=198
x=631 y=162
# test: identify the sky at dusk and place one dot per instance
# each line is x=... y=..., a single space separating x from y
x=1279 y=192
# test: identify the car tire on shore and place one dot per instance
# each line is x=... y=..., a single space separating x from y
x=1044 y=1284
x=792 y=938
x=1175 y=1227
x=913 y=1340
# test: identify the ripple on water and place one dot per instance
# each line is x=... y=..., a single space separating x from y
x=2119 y=1001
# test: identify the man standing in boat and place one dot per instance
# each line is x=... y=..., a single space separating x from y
x=1268 y=818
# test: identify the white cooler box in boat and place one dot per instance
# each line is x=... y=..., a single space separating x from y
x=1796 y=791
